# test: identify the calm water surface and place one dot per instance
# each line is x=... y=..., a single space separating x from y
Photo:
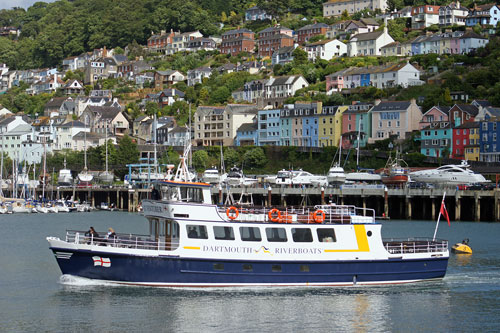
x=34 y=297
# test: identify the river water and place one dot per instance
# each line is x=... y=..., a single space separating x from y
x=34 y=297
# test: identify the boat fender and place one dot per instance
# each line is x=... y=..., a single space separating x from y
x=274 y=215
x=232 y=212
x=319 y=216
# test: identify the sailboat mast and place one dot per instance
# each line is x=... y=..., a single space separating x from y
x=44 y=169
x=1 y=169
x=106 y=143
x=154 y=144
x=85 y=145
x=359 y=136
x=340 y=149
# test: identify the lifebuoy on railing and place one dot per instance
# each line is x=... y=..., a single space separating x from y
x=274 y=215
x=319 y=216
x=232 y=212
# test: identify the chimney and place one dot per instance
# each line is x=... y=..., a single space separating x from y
x=385 y=26
x=377 y=101
x=104 y=52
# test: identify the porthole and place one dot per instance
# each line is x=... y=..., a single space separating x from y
x=369 y=233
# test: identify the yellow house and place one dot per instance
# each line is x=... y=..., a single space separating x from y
x=330 y=125
x=471 y=151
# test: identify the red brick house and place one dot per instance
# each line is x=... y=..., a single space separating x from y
x=236 y=41
x=310 y=30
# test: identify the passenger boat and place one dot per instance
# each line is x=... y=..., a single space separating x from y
x=194 y=243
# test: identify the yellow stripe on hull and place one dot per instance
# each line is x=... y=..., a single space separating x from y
x=363 y=246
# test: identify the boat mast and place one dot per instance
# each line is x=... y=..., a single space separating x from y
x=340 y=149
x=359 y=135
x=44 y=169
x=106 y=143
x=1 y=169
x=154 y=144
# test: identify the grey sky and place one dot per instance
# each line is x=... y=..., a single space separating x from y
x=8 y=4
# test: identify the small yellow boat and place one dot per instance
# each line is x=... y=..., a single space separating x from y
x=462 y=248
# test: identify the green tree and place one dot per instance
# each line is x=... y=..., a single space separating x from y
x=231 y=157
x=200 y=160
x=299 y=56
x=127 y=152
x=255 y=158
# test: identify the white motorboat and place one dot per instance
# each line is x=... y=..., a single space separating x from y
x=65 y=178
x=212 y=176
x=363 y=176
x=450 y=174
x=61 y=206
x=41 y=209
x=336 y=174
x=299 y=177
x=235 y=177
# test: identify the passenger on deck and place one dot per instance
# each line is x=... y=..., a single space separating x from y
x=111 y=236
x=91 y=234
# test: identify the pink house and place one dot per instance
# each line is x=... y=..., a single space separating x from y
x=455 y=45
x=335 y=81
x=436 y=113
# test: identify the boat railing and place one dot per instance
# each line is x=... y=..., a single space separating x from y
x=415 y=245
x=327 y=214
x=131 y=241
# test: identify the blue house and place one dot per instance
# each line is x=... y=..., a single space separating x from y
x=436 y=138
x=286 y=115
x=365 y=80
x=268 y=132
x=246 y=135
x=310 y=131
x=488 y=14
x=489 y=134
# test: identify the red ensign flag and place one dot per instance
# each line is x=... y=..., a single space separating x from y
x=444 y=212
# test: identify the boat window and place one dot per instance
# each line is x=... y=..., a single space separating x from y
x=302 y=235
x=326 y=235
x=191 y=194
x=247 y=268
x=276 y=268
x=196 y=231
x=304 y=268
x=218 y=267
x=225 y=233
x=276 y=235
x=250 y=234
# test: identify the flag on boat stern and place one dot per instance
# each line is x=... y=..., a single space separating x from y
x=444 y=212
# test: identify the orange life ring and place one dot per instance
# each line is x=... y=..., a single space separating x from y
x=272 y=217
x=232 y=212
x=319 y=216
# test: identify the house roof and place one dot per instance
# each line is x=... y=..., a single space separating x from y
x=55 y=102
x=73 y=123
x=314 y=26
x=167 y=72
x=494 y=111
x=269 y=29
x=276 y=36
x=248 y=127
x=482 y=102
x=283 y=50
x=321 y=42
x=469 y=124
x=172 y=92
x=367 y=35
x=391 y=106
x=470 y=109
x=237 y=31
x=178 y=129
x=282 y=80
x=106 y=112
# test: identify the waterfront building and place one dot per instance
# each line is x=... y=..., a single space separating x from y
x=337 y=7
x=178 y=136
x=326 y=125
x=489 y=135
x=217 y=125
x=462 y=113
x=268 y=127
x=394 y=119
x=436 y=113
x=436 y=139
x=466 y=138
x=247 y=135
x=357 y=118
x=65 y=133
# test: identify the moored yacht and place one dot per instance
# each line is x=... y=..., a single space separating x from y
x=65 y=178
x=336 y=175
x=451 y=174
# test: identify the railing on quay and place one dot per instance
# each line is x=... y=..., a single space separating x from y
x=415 y=245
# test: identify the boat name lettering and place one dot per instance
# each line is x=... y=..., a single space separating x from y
x=228 y=249
x=295 y=250
x=148 y=208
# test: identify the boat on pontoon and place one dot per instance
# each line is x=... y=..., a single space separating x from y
x=195 y=243
x=450 y=174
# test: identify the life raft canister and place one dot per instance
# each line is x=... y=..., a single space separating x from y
x=274 y=215
x=232 y=212
x=319 y=216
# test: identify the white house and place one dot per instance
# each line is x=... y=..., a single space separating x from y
x=66 y=132
x=197 y=75
x=403 y=75
x=277 y=89
x=337 y=7
x=21 y=143
x=325 y=49
x=368 y=44
x=178 y=136
x=452 y=14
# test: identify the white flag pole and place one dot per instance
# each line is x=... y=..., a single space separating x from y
x=439 y=217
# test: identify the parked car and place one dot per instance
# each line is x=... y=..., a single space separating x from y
x=462 y=187
x=475 y=187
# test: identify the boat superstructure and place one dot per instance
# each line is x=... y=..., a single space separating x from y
x=194 y=243
x=450 y=173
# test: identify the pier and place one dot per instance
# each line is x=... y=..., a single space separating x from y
x=394 y=203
